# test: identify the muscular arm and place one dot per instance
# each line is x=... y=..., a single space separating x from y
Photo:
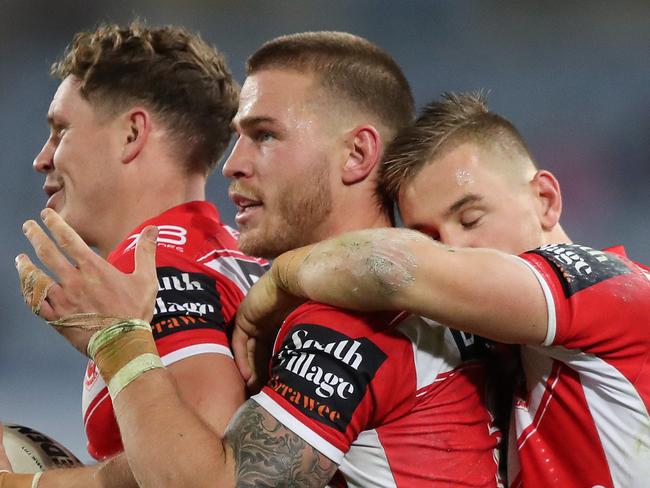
x=256 y=450
x=209 y=384
x=481 y=291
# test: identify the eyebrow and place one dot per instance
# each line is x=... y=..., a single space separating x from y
x=461 y=202
x=249 y=122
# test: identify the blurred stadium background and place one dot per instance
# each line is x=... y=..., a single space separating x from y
x=573 y=76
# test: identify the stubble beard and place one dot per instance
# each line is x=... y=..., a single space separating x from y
x=300 y=214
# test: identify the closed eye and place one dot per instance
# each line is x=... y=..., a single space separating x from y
x=471 y=224
x=470 y=218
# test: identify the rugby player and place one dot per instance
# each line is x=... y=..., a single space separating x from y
x=141 y=117
x=353 y=399
x=464 y=176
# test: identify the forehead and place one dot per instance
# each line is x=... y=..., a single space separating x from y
x=67 y=100
x=458 y=173
x=274 y=93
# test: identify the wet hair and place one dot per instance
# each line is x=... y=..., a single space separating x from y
x=444 y=124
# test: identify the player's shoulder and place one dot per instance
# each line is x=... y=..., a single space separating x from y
x=188 y=233
x=578 y=267
x=353 y=322
x=326 y=324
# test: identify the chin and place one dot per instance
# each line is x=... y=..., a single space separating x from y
x=255 y=244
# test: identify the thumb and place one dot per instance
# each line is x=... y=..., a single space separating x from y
x=145 y=252
x=239 y=344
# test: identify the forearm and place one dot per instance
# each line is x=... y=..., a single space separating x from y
x=480 y=291
x=373 y=269
x=165 y=441
x=112 y=473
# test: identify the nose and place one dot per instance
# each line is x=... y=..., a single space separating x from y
x=238 y=165
x=44 y=160
x=454 y=238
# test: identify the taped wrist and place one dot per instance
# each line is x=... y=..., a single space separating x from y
x=123 y=352
x=18 y=480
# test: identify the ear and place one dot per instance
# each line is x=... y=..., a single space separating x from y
x=138 y=127
x=365 y=148
x=547 y=190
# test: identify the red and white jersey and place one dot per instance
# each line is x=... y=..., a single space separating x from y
x=394 y=400
x=202 y=278
x=582 y=418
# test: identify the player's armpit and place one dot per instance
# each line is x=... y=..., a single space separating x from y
x=266 y=453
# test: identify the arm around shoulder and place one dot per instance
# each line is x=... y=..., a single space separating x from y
x=480 y=291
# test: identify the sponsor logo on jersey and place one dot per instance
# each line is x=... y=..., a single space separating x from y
x=174 y=324
x=187 y=308
x=324 y=373
x=580 y=267
x=178 y=283
x=171 y=236
x=185 y=300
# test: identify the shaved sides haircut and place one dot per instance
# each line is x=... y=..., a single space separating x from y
x=351 y=69
x=444 y=124
x=171 y=71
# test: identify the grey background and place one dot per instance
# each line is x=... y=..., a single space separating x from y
x=573 y=76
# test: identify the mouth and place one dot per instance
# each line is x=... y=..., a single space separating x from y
x=54 y=192
x=246 y=207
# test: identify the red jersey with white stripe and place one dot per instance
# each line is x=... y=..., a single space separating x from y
x=202 y=278
x=582 y=418
x=395 y=401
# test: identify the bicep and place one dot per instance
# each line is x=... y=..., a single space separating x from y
x=266 y=453
x=481 y=291
x=211 y=385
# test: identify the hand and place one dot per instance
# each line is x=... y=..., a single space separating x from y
x=87 y=283
x=5 y=465
x=259 y=318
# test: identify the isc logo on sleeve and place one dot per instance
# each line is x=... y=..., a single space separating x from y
x=172 y=235
x=580 y=267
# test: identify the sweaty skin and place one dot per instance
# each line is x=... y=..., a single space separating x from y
x=374 y=263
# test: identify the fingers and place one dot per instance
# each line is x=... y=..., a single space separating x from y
x=145 y=252
x=67 y=239
x=46 y=250
x=239 y=343
x=34 y=283
x=5 y=465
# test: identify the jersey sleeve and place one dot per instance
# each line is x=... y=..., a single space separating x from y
x=188 y=318
x=577 y=283
x=332 y=379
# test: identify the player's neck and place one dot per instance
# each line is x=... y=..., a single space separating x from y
x=151 y=199
x=557 y=236
x=341 y=222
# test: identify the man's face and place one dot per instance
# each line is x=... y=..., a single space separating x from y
x=78 y=161
x=280 y=165
x=466 y=198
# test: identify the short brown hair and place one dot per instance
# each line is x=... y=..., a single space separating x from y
x=349 y=67
x=174 y=73
x=445 y=123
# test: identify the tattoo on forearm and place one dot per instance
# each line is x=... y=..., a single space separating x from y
x=267 y=454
